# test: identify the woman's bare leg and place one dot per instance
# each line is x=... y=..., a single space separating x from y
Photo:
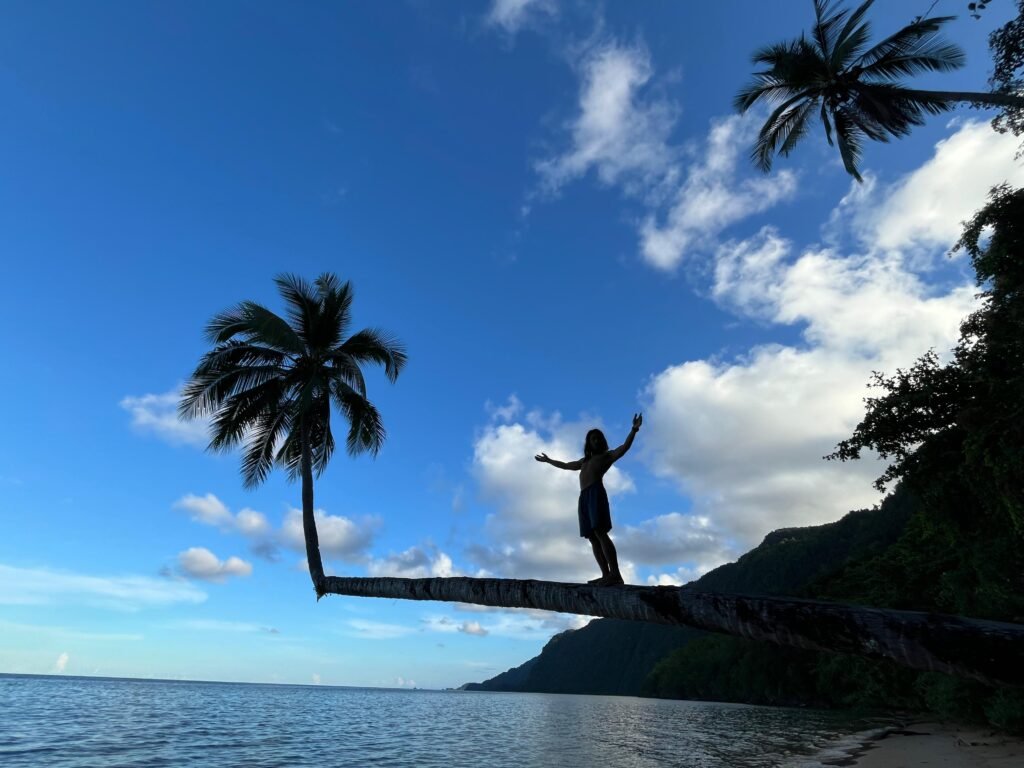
x=610 y=556
x=599 y=555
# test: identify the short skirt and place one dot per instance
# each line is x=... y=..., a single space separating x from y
x=595 y=514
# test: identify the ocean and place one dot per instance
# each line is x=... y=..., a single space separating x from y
x=78 y=722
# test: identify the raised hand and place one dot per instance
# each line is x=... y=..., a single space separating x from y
x=542 y=457
x=638 y=419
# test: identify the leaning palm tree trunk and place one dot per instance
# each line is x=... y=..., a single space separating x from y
x=988 y=651
x=968 y=97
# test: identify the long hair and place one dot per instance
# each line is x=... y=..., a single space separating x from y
x=602 y=444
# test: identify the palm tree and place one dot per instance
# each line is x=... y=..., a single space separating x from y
x=988 y=651
x=269 y=383
x=857 y=92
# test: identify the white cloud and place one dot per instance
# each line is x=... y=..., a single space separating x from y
x=745 y=439
x=61 y=663
x=622 y=137
x=712 y=198
x=44 y=586
x=401 y=682
x=418 y=562
x=201 y=563
x=315 y=678
x=513 y=15
x=158 y=414
x=674 y=538
x=473 y=628
x=207 y=509
x=926 y=207
x=339 y=536
x=623 y=131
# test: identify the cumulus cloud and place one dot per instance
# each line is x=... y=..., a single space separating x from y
x=924 y=209
x=674 y=538
x=622 y=131
x=61 y=663
x=201 y=563
x=207 y=509
x=473 y=628
x=418 y=562
x=157 y=414
x=513 y=15
x=340 y=536
x=744 y=438
x=44 y=586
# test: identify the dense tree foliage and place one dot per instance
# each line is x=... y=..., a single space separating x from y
x=1007 y=46
x=954 y=432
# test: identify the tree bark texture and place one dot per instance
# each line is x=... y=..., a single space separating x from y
x=988 y=651
x=315 y=564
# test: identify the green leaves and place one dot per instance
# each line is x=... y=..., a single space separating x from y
x=267 y=376
x=857 y=91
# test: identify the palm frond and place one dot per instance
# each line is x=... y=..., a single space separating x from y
x=240 y=413
x=255 y=323
x=897 y=110
x=902 y=42
x=366 y=429
x=826 y=27
x=929 y=56
x=849 y=138
x=348 y=370
x=375 y=346
x=225 y=370
x=826 y=122
x=852 y=38
x=268 y=432
x=335 y=298
x=777 y=127
x=301 y=303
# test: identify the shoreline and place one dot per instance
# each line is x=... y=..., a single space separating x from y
x=927 y=743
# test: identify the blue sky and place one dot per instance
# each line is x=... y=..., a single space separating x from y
x=549 y=202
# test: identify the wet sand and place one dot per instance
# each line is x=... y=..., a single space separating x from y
x=937 y=745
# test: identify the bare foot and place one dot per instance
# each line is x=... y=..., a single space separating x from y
x=599 y=580
x=614 y=580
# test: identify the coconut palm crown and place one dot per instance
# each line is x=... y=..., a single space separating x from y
x=856 y=90
x=269 y=384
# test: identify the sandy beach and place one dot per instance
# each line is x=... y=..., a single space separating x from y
x=937 y=744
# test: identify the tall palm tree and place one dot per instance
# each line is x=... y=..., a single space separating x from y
x=856 y=90
x=269 y=384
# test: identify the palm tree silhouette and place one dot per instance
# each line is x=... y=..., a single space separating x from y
x=857 y=92
x=269 y=384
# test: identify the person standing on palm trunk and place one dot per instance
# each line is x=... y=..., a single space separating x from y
x=594 y=512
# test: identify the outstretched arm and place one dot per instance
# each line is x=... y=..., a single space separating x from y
x=619 y=452
x=545 y=459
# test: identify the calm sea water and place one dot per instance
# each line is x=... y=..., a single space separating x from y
x=63 y=722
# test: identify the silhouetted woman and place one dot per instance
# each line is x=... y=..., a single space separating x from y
x=595 y=514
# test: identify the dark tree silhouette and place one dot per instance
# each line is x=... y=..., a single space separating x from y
x=269 y=384
x=855 y=90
